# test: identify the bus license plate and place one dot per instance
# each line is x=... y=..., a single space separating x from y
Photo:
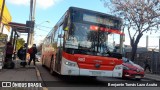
x=95 y=73
x=137 y=76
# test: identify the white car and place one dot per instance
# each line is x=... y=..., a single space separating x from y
x=38 y=57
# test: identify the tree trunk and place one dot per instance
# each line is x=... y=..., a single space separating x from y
x=134 y=46
x=134 y=50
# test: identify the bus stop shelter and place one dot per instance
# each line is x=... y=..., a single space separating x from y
x=17 y=29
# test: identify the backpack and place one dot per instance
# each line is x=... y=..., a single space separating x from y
x=21 y=53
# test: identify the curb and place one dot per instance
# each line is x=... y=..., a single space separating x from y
x=151 y=79
x=154 y=77
x=40 y=78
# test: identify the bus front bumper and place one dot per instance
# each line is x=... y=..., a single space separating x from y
x=71 y=68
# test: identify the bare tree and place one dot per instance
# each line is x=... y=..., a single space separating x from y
x=139 y=16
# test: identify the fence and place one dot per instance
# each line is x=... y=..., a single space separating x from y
x=154 y=60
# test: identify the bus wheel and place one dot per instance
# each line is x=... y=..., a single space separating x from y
x=51 y=67
x=94 y=77
x=138 y=79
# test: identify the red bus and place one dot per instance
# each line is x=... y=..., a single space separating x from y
x=83 y=43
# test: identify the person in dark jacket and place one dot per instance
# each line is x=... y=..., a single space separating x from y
x=9 y=51
x=32 y=51
x=147 y=64
x=22 y=52
x=22 y=55
x=8 y=63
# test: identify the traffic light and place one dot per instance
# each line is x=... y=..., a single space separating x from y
x=30 y=26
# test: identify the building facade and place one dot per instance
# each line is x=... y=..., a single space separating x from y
x=6 y=18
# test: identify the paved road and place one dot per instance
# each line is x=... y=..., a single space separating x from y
x=83 y=83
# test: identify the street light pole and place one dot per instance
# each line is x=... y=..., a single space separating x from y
x=42 y=23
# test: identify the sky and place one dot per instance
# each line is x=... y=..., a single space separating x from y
x=48 y=12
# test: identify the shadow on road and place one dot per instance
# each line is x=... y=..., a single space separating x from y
x=82 y=81
x=74 y=81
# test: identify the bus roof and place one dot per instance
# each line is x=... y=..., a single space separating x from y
x=89 y=11
x=86 y=11
x=94 y=12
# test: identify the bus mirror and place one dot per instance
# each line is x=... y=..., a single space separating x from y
x=65 y=26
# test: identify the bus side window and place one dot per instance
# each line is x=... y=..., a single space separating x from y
x=48 y=39
x=66 y=22
x=61 y=36
x=58 y=39
x=52 y=36
x=56 y=36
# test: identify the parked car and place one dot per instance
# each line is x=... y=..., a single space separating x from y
x=132 y=70
x=38 y=57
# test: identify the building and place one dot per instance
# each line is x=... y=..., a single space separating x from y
x=6 y=18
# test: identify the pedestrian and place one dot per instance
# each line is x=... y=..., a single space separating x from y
x=32 y=51
x=147 y=64
x=22 y=55
x=9 y=52
x=8 y=63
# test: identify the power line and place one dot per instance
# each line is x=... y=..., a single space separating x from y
x=42 y=29
x=35 y=35
x=44 y=26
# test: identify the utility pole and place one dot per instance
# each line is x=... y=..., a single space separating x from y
x=158 y=61
x=30 y=24
x=32 y=18
x=121 y=43
x=147 y=42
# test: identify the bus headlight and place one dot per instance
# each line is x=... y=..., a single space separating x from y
x=125 y=67
x=72 y=64
x=119 y=67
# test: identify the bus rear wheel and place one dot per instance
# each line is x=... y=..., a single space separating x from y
x=51 y=71
x=51 y=67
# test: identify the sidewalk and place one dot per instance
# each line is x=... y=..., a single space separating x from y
x=154 y=77
x=18 y=74
x=29 y=73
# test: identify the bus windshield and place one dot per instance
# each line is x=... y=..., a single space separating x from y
x=87 y=39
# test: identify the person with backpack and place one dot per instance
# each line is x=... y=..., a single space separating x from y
x=32 y=51
x=22 y=55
